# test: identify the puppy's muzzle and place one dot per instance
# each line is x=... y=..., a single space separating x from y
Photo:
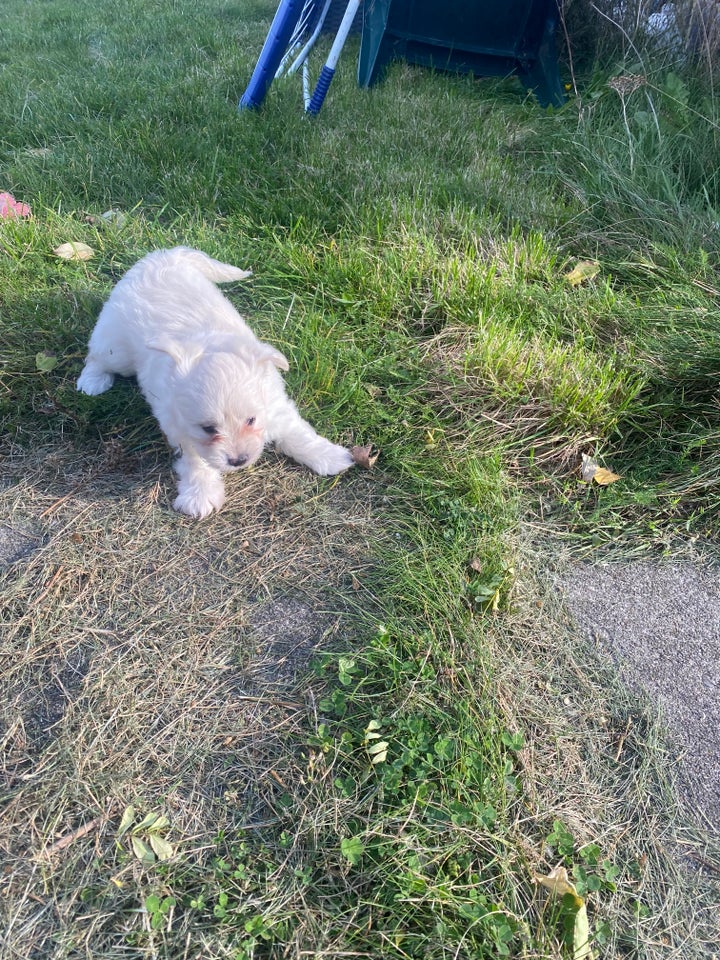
x=237 y=461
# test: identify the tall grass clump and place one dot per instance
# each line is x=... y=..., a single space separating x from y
x=641 y=160
x=634 y=156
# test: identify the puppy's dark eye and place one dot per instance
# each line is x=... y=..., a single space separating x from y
x=210 y=429
x=250 y=421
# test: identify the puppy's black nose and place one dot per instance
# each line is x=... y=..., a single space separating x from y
x=237 y=461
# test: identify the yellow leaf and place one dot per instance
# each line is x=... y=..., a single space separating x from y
x=590 y=470
x=558 y=883
x=583 y=270
x=603 y=477
x=74 y=251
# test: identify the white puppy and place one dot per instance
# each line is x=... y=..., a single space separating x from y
x=214 y=388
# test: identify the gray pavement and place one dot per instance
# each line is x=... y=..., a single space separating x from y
x=660 y=622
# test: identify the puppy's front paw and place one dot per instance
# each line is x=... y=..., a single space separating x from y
x=331 y=459
x=199 y=502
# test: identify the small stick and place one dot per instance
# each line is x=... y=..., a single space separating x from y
x=51 y=584
x=60 y=502
x=75 y=835
x=621 y=743
x=278 y=779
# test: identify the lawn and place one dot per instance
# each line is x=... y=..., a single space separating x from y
x=351 y=716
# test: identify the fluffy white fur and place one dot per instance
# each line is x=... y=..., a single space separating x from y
x=215 y=389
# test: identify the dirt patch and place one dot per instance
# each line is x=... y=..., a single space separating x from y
x=287 y=633
x=16 y=542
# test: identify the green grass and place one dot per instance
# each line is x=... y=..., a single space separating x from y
x=410 y=248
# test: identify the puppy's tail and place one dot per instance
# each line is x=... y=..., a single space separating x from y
x=212 y=269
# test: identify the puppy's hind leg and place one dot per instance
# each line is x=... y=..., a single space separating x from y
x=110 y=351
x=295 y=437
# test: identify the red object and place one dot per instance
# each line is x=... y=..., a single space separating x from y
x=9 y=207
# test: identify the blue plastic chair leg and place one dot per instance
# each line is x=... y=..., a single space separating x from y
x=281 y=29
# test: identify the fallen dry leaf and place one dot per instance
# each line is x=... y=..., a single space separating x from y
x=590 y=470
x=74 y=251
x=603 y=477
x=583 y=270
x=558 y=883
x=364 y=457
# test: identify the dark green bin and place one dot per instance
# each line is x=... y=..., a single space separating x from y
x=489 y=38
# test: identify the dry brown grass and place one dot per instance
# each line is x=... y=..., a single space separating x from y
x=149 y=660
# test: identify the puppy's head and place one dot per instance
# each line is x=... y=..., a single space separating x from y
x=220 y=398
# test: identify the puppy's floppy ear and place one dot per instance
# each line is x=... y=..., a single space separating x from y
x=249 y=344
x=269 y=354
x=184 y=354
